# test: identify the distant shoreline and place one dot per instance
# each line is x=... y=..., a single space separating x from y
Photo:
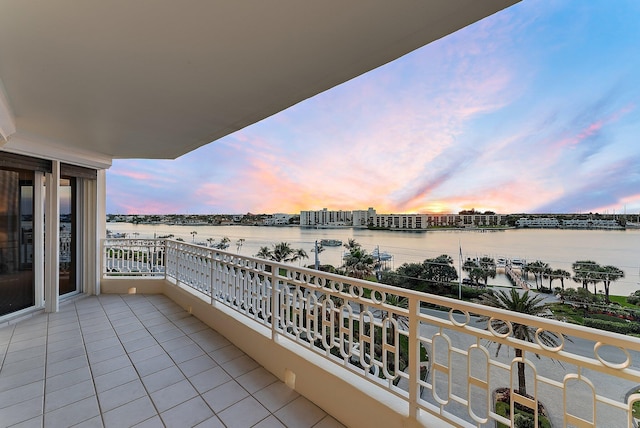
x=383 y=229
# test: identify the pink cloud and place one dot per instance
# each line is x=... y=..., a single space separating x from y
x=593 y=128
x=131 y=174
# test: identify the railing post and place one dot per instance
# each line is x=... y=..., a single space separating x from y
x=177 y=257
x=414 y=355
x=212 y=273
x=275 y=309
x=165 y=259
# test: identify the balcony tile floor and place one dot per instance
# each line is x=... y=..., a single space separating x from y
x=135 y=360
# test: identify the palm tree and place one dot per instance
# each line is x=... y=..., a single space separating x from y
x=538 y=269
x=524 y=304
x=483 y=268
x=403 y=323
x=548 y=274
x=401 y=302
x=351 y=244
x=264 y=253
x=193 y=235
x=585 y=272
x=560 y=274
x=302 y=254
x=239 y=243
x=488 y=266
x=223 y=244
x=473 y=269
x=318 y=248
x=281 y=252
x=609 y=274
x=358 y=263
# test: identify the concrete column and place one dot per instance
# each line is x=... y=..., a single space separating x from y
x=38 y=238
x=52 y=239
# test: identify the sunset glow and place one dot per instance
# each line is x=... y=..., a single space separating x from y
x=534 y=109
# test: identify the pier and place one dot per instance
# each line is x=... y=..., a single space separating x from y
x=515 y=277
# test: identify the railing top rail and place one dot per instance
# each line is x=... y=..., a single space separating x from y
x=454 y=305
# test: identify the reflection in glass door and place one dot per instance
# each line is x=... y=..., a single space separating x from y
x=67 y=271
x=16 y=241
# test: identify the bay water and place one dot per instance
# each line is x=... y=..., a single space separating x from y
x=557 y=247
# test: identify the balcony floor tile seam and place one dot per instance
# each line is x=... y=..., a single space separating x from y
x=97 y=311
x=4 y=344
x=102 y=411
x=175 y=364
x=105 y=309
x=52 y=328
x=187 y=378
x=165 y=353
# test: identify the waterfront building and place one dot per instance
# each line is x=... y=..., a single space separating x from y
x=538 y=222
x=424 y=221
x=370 y=218
x=569 y=223
x=400 y=221
x=363 y=218
x=169 y=333
x=465 y=220
x=325 y=218
x=278 y=219
x=596 y=223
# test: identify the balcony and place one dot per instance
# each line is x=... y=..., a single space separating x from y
x=405 y=357
x=298 y=342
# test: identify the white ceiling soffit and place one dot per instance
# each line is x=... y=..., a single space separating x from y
x=159 y=78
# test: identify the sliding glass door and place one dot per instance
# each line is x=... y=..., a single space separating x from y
x=17 y=288
x=68 y=227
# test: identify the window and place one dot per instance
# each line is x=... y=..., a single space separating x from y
x=17 y=288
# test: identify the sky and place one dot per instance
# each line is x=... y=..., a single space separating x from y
x=535 y=109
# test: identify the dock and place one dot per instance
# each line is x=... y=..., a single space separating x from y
x=515 y=277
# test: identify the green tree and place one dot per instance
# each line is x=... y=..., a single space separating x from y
x=560 y=274
x=223 y=244
x=439 y=270
x=579 y=295
x=426 y=276
x=301 y=254
x=264 y=253
x=401 y=321
x=524 y=304
x=538 y=269
x=408 y=275
x=586 y=272
x=609 y=274
x=358 y=263
x=472 y=268
x=281 y=252
x=351 y=244
x=480 y=269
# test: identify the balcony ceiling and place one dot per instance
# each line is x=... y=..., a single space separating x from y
x=159 y=78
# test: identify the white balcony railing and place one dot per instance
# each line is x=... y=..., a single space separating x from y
x=435 y=353
x=134 y=257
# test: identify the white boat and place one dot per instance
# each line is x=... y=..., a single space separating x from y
x=382 y=256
